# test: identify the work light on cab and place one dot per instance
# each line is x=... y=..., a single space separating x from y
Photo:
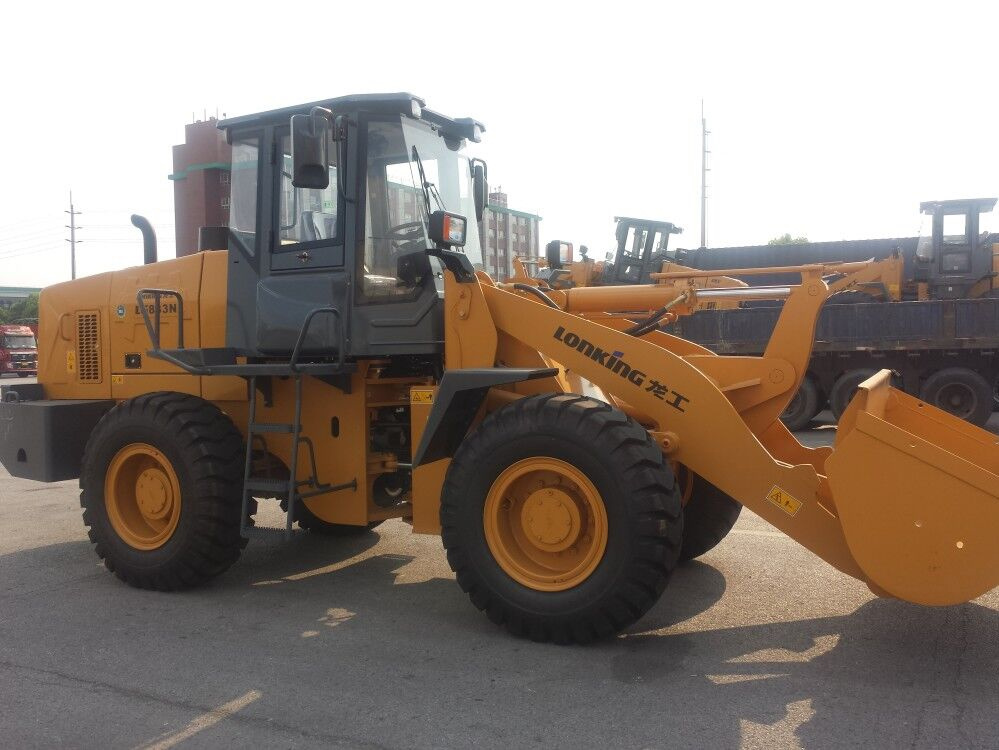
x=448 y=229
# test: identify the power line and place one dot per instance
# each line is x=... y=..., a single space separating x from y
x=32 y=246
x=28 y=252
x=24 y=222
x=4 y=237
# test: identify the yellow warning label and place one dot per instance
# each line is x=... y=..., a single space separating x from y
x=70 y=361
x=784 y=500
x=118 y=380
x=421 y=396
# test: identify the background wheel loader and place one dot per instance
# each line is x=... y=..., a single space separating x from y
x=342 y=354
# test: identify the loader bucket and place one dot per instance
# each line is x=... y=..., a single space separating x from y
x=917 y=493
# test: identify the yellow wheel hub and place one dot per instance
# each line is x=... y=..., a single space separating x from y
x=684 y=478
x=142 y=496
x=545 y=524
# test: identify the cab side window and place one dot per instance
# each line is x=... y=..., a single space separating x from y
x=243 y=192
x=306 y=215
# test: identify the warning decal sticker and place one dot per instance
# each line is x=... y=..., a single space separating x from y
x=784 y=500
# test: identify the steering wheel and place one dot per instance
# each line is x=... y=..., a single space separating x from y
x=408 y=232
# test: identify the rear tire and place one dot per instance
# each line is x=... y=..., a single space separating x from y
x=803 y=407
x=708 y=516
x=844 y=388
x=561 y=518
x=160 y=491
x=961 y=392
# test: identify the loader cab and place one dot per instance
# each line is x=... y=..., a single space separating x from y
x=642 y=247
x=953 y=253
x=352 y=233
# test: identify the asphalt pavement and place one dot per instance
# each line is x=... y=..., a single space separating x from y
x=369 y=642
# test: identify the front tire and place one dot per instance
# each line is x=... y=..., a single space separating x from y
x=708 y=515
x=160 y=491
x=561 y=518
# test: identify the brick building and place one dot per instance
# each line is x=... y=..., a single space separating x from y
x=200 y=182
x=506 y=234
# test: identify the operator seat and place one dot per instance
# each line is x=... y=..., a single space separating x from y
x=309 y=231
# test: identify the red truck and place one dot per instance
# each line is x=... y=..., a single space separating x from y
x=17 y=351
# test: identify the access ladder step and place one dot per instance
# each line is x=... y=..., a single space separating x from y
x=271 y=427
x=271 y=486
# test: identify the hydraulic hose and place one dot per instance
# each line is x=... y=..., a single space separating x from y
x=537 y=293
x=645 y=326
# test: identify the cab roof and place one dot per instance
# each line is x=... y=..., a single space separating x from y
x=960 y=205
x=398 y=103
x=666 y=226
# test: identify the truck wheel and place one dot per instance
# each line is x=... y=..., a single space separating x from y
x=708 y=514
x=561 y=518
x=803 y=407
x=960 y=391
x=844 y=388
x=160 y=491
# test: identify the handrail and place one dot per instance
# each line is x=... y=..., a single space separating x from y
x=305 y=329
x=154 y=331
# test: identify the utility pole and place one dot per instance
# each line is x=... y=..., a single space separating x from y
x=704 y=177
x=73 y=213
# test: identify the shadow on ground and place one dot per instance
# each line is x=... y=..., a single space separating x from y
x=333 y=639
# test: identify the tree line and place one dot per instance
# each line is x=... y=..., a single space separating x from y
x=25 y=308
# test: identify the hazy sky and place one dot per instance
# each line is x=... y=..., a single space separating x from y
x=832 y=120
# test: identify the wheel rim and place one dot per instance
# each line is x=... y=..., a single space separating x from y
x=142 y=496
x=958 y=399
x=545 y=524
x=685 y=479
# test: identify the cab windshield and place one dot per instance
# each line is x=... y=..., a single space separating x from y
x=397 y=208
x=18 y=342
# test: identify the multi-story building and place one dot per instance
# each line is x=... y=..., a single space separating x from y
x=506 y=234
x=201 y=167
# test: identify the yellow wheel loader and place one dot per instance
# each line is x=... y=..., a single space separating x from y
x=336 y=349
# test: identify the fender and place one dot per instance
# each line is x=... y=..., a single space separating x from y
x=456 y=403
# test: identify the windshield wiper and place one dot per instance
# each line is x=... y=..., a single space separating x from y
x=428 y=188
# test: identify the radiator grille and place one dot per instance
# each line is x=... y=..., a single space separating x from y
x=88 y=348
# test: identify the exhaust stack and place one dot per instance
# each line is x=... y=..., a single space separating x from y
x=148 y=237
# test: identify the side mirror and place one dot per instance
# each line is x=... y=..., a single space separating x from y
x=558 y=253
x=309 y=154
x=480 y=187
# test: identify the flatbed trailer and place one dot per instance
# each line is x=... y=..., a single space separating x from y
x=943 y=350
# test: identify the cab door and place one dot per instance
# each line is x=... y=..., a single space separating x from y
x=305 y=261
x=397 y=307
